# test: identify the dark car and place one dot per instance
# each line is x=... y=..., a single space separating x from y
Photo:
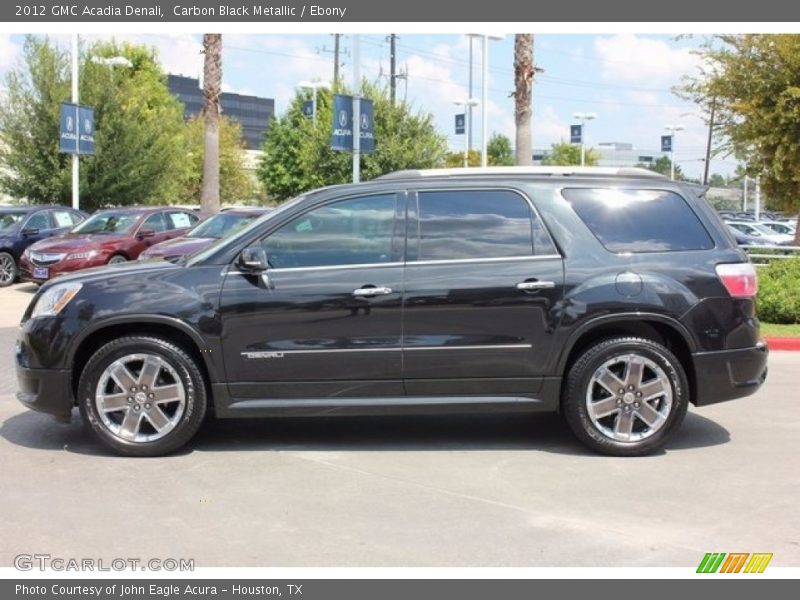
x=21 y=226
x=204 y=233
x=615 y=296
x=110 y=236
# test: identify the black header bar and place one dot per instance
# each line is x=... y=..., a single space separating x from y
x=363 y=11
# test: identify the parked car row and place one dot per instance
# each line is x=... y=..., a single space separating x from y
x=38 y=243
x=762 y=233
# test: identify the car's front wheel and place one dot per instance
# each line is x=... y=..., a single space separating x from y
x=625 y=396
x=142 y=396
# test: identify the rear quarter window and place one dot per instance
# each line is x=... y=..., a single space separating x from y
x=629 y=220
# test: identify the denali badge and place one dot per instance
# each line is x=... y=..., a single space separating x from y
x=262 y=354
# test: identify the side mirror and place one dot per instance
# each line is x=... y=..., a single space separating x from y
x=30 y=231
x=254 y=259
x=146 y=233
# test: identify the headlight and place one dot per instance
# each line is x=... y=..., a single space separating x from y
x=82 y=255
x=55 y=299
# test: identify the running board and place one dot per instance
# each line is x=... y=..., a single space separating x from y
x=328 y=407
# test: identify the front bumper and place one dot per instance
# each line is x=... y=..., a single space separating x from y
x=46 y=390
x=26 y=267
x=729 y=374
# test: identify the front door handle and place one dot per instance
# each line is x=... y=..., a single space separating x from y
x=532 y=286
x=371 y=291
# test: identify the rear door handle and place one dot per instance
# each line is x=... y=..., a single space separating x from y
x=372 y=291
x=530 y=286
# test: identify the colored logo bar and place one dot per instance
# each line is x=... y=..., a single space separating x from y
x=734 y=562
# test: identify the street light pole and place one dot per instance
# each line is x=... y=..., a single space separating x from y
x=75 y=160
x=673 y=129
x=469 y=92
x=485 y=94
x=583 y=118
x=356 y=109
x=484 y=100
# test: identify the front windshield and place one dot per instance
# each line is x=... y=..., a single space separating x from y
x=220 y=225
x=231 y=239
x=108 y=223
x=9 y=219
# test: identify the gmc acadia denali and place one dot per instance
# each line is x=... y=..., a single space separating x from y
x=614 y=296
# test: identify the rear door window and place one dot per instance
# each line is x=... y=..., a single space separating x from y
x=632 y=221
x=475 y=224
x=180 y=220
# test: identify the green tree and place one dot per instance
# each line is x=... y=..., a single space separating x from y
x=663 y=165
x=298 y=157
x=456 y=159
x=566 y=154
x=235 y=183
x=754 y=79
x=717 y=180
x=499 y=151
x=139 y=128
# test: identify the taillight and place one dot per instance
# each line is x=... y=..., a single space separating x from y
x=740 y=279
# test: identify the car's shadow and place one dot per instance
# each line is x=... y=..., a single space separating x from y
x=545 y=432
x=29 y=288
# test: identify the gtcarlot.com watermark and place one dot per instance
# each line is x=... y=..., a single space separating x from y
x=44 y=562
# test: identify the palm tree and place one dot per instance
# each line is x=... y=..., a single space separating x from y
x=524 y=70
x=212 y=85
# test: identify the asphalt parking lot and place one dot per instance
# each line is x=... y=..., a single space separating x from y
x=402 y=491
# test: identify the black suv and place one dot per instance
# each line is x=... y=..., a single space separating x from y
x=612 y=295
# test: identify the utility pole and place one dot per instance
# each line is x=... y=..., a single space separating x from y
x=336 y=59
x=392 y=67
x=710 y=133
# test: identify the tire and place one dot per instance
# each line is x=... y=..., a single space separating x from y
x=163 y=403
x=8 y=269
x=116 y=260
x=625 y=396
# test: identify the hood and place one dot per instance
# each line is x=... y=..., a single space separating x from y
x=75 y=242
x=177 y=247
x=109 y=271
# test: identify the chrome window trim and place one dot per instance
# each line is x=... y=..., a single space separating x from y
x=407 y=264
x=282 y=353
x=534 y=257
x=421 y=190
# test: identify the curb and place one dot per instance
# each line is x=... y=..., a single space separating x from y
x=783 y=343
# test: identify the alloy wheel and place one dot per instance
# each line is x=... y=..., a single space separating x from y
x=140 y=397
x=629 y=398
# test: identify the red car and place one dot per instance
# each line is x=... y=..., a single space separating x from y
x=204 y=234
x=107 y=237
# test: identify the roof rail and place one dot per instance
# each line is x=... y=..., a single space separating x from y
x=513 y=171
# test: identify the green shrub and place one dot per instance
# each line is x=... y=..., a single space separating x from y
x=779 y=291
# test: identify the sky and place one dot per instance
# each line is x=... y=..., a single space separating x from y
x=625 y=78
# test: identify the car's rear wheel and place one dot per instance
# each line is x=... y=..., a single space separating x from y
x=626 y=396
x=142 y=396
x=117 y=259
x=8 y=269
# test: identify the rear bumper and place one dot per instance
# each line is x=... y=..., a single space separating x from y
x=729 y=374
